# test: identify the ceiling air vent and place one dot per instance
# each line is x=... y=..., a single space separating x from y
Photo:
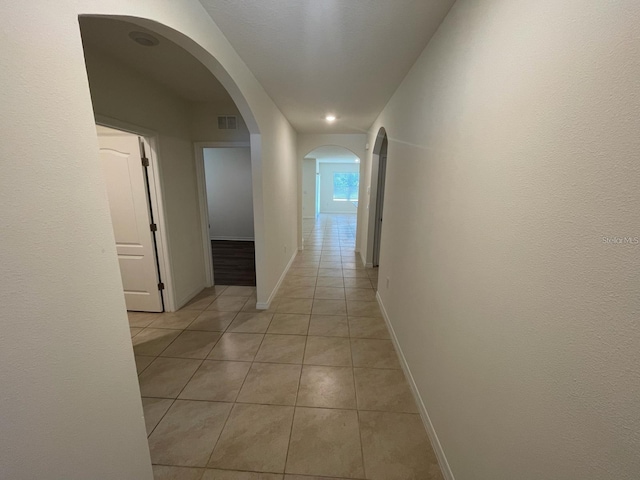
x=227 y=122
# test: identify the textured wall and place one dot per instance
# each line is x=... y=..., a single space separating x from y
x=513 y=151
x=70 y=404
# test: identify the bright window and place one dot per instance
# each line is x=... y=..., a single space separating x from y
x=345 y=187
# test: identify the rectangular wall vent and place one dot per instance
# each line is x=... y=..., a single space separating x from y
x=227 y=122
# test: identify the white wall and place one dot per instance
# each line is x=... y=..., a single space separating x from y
x=309 y=188
x=71 y=405
x=327 y=203
x=120 y=93
x=513 y=151
x=229 y=193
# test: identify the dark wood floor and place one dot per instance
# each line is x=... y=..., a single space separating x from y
x=234 y=263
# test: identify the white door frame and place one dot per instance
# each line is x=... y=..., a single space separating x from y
x=157 y=202
x=198 y=148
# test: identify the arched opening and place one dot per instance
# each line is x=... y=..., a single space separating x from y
x=330 y=189
x=149 y=80
x=376 y=198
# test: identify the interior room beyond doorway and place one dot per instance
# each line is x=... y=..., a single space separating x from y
x=230 y=209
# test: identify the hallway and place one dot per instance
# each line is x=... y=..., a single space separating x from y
x=311 y=387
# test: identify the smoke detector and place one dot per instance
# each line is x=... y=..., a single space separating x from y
x=144 y=39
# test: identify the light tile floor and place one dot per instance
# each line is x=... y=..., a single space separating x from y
x=309 y=389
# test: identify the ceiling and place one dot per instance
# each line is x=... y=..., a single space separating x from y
x=333 y=154
x=316 y=57
x=166 y=63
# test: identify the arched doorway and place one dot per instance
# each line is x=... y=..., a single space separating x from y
x=330 y=194
x=147 y=79
x=376 y=199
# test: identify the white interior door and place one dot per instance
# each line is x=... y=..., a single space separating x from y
x=131 y=218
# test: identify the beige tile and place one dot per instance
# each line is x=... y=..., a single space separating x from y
x=216 y=381
x=281 y=349
x=329 y=326
x=374 y=353
x=298 y=281
x=141 y=319
x=212 y=321
x=199 y=302
x=330 y=272
x=384 y=390
x=187 y=433
x=396 y=447
x=329 y=293
x=235 y=475
x=311 y=262
x=135 y=330
x=351 y=265
x=289 y=323
x=152 y=341
x=331 y=351
x=238 y=291
x=363 y=309
x=325 y=442
x=357 y=283
x=163 y=472
x=324 y=265
x=143 y=362
x=295 y=305
x=303 y=271
x=360 y=294
x=307 y=477
x=154 y=410
x=192 y=345
x=336 y=282
x=330 y=387
x=250 y=322
x=271 y=383
x=330 y=258
x=347 y=273
x=237 y=346
x=368 y=327
x=212 y=291
x=298 y=292
x=329 y=307
x=166 y=377
x=228 y=304
x=176 y=320
x=255 y=438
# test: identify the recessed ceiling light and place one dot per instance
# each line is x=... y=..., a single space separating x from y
x=330 y=118
x=144 y=39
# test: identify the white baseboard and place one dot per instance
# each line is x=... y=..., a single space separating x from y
x=435 y=442
x=236 y=239
x=368 y=265
x=309 y=218
x=267 y=304
x=185 y=299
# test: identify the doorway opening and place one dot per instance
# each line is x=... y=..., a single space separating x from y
x=330 y=187
x=170 y=91
x=228 y=198
x=125 y=159
x=376 y=198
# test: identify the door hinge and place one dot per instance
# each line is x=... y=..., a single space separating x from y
x=145 y=162
x=154 y=227
x=161 y=286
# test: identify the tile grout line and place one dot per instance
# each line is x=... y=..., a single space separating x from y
x=234 y=403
